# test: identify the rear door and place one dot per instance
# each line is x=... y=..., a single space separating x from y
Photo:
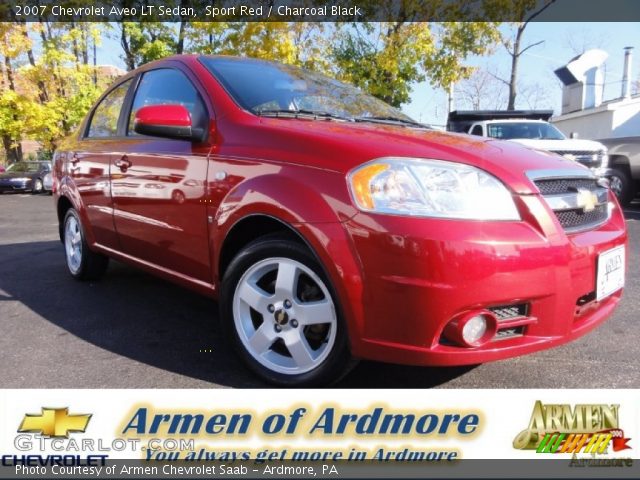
x=89 y=160
x=158 y=184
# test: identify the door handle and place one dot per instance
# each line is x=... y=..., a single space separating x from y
x=123 y=163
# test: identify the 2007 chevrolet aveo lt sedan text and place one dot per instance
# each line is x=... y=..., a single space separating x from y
x=330 y=226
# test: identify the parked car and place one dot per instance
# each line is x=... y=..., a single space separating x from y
x=624 y=159
x=331 y=226
x=24 y=176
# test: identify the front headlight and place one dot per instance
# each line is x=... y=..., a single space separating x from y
x=430 y=188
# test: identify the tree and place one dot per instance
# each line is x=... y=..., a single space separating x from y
x=524 y=11
x=481 y=91
x=386 y=58
x=12 y=103
x=146 y=41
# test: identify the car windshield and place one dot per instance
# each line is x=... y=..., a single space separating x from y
x=266 y=88
x=530 y=130
x=24 y=167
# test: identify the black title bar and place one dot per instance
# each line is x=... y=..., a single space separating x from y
x=320 y=11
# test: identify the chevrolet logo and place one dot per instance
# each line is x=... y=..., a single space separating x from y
x=587 y=200
x=54 y=422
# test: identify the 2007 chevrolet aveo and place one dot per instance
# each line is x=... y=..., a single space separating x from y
x=330 y=226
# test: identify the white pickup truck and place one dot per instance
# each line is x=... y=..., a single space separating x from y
x=541 y=135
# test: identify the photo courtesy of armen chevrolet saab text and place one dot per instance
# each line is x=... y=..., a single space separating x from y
x=332 y=227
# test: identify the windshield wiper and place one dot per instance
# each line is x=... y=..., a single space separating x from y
x=283 y=113
x=391 y=120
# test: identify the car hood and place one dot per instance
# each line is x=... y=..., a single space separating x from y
x=342 y=146
x=568 y=145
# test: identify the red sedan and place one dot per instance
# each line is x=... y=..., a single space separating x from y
x=331 y=226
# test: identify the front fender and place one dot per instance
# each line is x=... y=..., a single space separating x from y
x=308 y=196
x=316 y=209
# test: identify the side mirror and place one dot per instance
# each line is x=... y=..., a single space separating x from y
x=574 y=135
x=167 y=121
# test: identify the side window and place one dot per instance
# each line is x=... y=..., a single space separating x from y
x=104 y=122
x=168 y=87
x=477 y=130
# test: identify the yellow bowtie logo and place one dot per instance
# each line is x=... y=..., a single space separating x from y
x=54 y=422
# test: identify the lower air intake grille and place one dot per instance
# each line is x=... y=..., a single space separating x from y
x=508 y=312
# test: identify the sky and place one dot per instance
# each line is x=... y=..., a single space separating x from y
x=562 y=41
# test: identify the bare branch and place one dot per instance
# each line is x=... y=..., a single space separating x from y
x=506 y=82
x=538 y=12
x=530 y=46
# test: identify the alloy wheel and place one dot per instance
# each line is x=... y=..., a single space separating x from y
x=73 y=244
x=284 y=315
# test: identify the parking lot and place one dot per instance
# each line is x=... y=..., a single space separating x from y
x=131 y=330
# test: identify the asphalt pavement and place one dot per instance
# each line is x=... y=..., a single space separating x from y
x=131 y=330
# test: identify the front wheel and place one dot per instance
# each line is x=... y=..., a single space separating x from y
x=622 y=186
x=278 y=307
x=82 y=263
x=38 y=186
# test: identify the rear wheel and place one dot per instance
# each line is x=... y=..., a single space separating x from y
x=82 y=263
x=278 y=307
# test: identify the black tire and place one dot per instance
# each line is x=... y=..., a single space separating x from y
x=338 y=361
x=178 y=197
x=37 y=187
x=622 y=186
x=91 y=265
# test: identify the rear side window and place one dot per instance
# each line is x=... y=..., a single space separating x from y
x=477 y=130
x=168 y=87
x=104 y=122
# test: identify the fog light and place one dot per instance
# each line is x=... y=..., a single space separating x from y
x=472 y=329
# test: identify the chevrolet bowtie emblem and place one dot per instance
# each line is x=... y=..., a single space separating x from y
x=54 y=422
x=587 y=200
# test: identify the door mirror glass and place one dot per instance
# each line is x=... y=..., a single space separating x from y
x=168 y=121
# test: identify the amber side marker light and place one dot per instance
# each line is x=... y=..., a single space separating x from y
x=361 y=184
x=472 y=329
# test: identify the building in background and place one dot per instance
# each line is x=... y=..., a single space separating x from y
x=584 y=113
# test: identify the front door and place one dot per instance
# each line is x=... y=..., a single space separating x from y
x=158 y=185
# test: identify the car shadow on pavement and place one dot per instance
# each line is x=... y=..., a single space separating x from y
x=138 y=316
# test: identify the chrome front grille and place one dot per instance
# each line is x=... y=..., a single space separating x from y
x=579 y=203
x=559 y=186
x=586 y=157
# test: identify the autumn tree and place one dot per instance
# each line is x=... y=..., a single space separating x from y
x=45 y=95
x=12 y=102
x=387 y=58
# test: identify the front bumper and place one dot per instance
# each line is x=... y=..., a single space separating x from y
x=418 y=274
x=15 y=186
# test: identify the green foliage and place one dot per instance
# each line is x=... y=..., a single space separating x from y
x=385 y=59
x=54 y=82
